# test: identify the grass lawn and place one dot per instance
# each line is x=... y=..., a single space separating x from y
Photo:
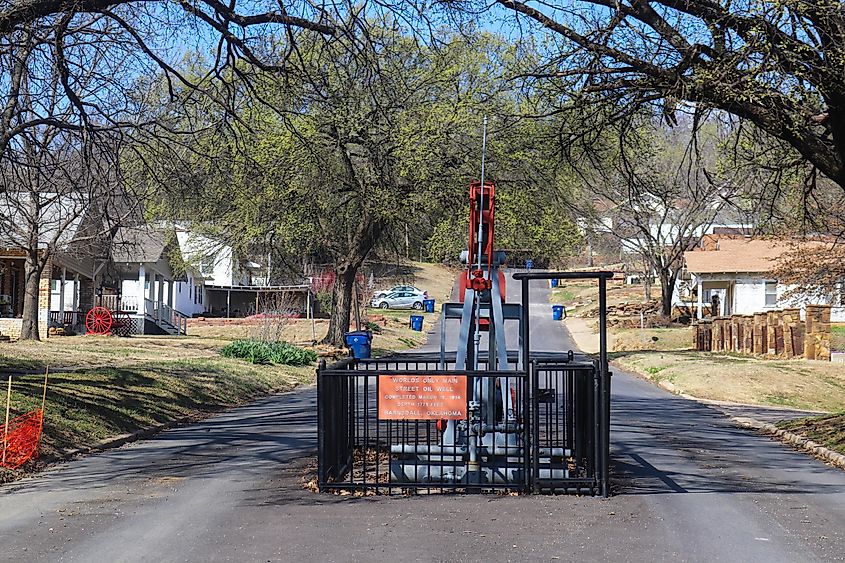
x=828 y=430
x=658 y=339
x=665 y=354
x=395 y=334
x=799 y=384
x=103 y=387
x=837 y=338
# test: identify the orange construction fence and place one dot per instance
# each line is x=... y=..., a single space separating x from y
x=22 y=434
x=22 y=437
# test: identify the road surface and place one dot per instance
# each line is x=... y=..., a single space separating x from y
x=689 y=487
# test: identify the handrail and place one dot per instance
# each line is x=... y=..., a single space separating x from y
x=162 y=312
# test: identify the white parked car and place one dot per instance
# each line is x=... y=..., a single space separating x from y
x=399 y=300
x=401 y=289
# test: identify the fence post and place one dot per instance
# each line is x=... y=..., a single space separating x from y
x=736 y=333
x=817 y=333
x=748 y=333
x=716 y=343
x=6 y=426
x=321 y=446
x=792 y=337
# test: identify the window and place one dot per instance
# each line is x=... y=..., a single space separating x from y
x=179 y=287
x=54 y=286
x=771 y=294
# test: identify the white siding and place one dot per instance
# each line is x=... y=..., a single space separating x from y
x=189 y=296
x=749 y=296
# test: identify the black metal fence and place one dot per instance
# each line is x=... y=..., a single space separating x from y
x=565 y=425
x=543 y=435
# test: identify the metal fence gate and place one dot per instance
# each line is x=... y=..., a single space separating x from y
x=559 y=442
x=548 y=429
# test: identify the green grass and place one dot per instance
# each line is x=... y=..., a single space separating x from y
x=780 y=400
x=828 y=430
x=837 y=338
x=88 y=405
x=562 y=295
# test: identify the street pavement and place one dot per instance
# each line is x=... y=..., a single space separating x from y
x=688 y=486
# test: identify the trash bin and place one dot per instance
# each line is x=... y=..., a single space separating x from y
x=429 y=305
x=529 y=264
x=359 y=342
x=553 y=283
x=416 y=322
x=557 y=312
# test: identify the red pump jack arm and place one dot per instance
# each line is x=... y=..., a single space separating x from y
x=481 y=209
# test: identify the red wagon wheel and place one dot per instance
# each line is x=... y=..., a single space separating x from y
x=98 y=321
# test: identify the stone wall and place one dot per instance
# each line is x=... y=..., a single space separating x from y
x=773 y=334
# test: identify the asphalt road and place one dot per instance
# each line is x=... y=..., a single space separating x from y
x=689 y=487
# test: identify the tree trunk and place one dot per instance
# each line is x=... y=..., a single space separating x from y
x=667 y=288
x=647 y=286
x=32 y=278
x=341 y=303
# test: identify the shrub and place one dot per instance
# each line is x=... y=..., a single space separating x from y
x=324 y=302
x=375 y=328
x=260 y=352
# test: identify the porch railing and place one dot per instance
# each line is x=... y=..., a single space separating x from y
x=164 y=314
x=65 y=318
x=126 y=303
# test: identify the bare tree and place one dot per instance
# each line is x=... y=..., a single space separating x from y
x=78 y=106
x=654 y=188
x=58 y=195
x=777 y=65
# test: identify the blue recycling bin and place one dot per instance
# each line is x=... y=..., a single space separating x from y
x=553 y=282
x=429 y=305
x=557 y=312
x=416 y=322
x=359 y=342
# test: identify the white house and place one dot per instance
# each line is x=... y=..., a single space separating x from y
x=213 y=272
x=733 y=274
x=132 y=277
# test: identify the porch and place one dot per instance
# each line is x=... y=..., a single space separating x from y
x=144 y=297
x=715 y=296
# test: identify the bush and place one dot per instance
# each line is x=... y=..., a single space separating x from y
x=375 y=328
x=324 y=302
x=260 y=352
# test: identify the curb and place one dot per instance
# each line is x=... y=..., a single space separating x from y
x=826 y=454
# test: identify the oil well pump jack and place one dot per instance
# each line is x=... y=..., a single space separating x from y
x=484 y=413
